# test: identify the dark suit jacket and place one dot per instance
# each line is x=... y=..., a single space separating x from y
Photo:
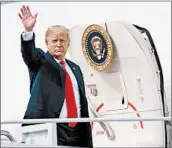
x=47 y=87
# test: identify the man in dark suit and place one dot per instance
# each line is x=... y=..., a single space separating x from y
x=56 y=84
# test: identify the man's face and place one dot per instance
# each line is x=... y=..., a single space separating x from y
x=57 y=43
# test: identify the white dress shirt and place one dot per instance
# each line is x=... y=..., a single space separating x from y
x=29 y=36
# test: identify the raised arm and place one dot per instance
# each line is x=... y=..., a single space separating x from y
x=32 y=56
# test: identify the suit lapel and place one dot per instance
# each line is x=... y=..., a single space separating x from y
x=74 y=69
x=76 y=73
x=62 y=75
x=62 y=72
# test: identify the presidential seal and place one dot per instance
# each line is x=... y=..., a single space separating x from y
x=97 y=47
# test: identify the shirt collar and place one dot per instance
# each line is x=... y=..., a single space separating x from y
x=58 y=61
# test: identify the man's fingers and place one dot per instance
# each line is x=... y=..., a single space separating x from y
x=20 y=16
x=22 y=11
x=28 y=10
x=25 y=10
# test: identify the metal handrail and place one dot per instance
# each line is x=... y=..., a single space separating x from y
x=8 y=135
x=65 y=120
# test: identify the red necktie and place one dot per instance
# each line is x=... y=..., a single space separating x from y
x=70 y=97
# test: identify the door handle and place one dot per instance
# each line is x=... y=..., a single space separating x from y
x=106 y=126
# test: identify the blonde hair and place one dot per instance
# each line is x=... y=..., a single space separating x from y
x=52 y=28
